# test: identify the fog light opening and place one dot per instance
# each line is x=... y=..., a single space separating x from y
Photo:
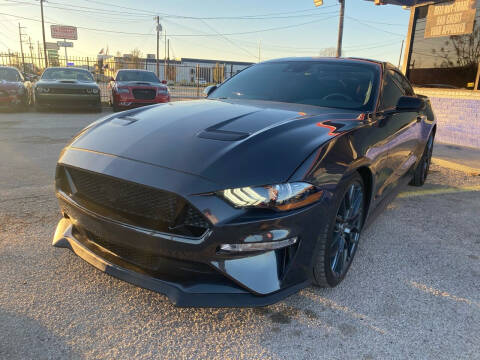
x=259 y=246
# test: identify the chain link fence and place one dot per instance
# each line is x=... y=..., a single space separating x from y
x=185 y=79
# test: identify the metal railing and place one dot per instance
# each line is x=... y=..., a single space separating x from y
x=185 y=80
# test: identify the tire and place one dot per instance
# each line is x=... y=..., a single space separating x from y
x=326 y=266
x=421 y=171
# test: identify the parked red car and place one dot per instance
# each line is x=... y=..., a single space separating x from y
x=15 y=90
x=133 y=88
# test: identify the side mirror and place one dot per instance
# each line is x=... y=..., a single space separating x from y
x=209 y=89
x=110 y=79
x=410 y=103
x=164 y=82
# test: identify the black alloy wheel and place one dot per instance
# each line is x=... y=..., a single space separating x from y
x=421 y=171
x=346 y=232
x=339 y=245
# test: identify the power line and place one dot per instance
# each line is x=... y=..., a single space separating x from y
x=185 y=35
x=143 y=13
x=216 y=17
x=373 y=27
x=227 y=39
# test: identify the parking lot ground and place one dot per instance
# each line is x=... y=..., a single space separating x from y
x=458 y=158
x=413 y=290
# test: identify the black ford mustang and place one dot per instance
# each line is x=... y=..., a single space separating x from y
x=251 y=194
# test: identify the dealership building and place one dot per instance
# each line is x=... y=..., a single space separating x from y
x=441 y=59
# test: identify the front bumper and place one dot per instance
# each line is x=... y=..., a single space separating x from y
x=11 y=101
x=68 y=100
x=198 y=294
x=191 y=271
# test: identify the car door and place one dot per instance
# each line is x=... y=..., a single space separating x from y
x=401 y=130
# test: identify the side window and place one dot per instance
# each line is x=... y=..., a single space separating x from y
x=403 y=82
x=391 y=92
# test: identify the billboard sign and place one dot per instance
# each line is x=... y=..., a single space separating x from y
x=450 y=18
x=65 y=43
x=63 y=32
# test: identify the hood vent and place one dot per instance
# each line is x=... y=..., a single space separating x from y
x=123 y=120
x=223 y=135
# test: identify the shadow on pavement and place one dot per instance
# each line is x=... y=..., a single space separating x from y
x=25 y=338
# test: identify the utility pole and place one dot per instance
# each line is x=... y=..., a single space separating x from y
x=39 y=49
x=165 y=60
x=400 y=57
x=159 y=29
x=340 y=27
x=21 y=46
x=43 y=33
x=259 y=50
x=168 y=57
x=30 y=46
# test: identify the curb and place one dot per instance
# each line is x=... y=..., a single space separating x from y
x=456 y=166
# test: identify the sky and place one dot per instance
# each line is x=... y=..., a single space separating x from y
x=209 y=29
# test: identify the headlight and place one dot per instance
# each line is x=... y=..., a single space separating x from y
x=123 y=90
x=42 y=89
x=162 y=90
x=92 y=91
x=281 y=197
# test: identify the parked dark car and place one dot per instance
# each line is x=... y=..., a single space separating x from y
x=67 y=87
x=15 y=91
x=251 y=194
x=133 y=88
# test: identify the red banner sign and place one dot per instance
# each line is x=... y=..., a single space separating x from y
x=63 y=32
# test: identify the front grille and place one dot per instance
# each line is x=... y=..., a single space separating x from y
x=66 y=91
x=132 y=203
x=144 y=94
x=144 y=259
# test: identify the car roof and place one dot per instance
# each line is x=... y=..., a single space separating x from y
x=348 y=60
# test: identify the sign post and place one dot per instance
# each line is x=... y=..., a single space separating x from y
x=66 y=57
x=65 y=44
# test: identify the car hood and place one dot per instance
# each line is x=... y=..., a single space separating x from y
x=230 y=143
x=10 y=85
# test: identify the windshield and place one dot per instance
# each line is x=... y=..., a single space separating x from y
x=137 y=76
x=329 y=84
x=10 y=75
x=67 y=74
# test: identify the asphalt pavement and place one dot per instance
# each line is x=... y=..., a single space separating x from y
x=413 y=290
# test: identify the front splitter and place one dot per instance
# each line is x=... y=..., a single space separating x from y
x=64 y=238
